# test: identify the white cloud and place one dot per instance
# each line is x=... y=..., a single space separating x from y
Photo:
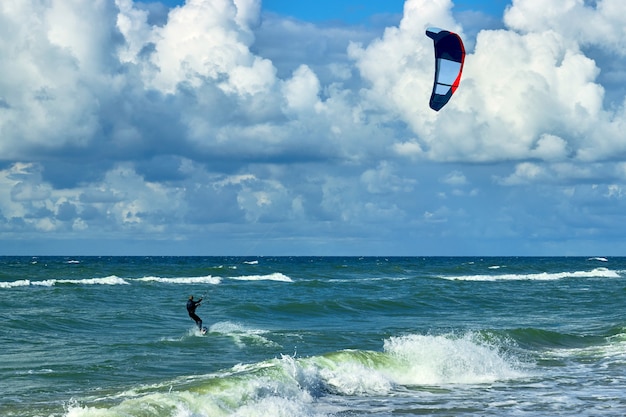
x=383 y=180
x=133 y=25
x=524 y=173
x=302 y=91
x=48 y=85
x=201 y=40
x=411 y=149
x=455 y=178
x=581 y=21
x=550 y=147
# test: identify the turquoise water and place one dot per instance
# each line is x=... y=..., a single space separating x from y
x=110 y=336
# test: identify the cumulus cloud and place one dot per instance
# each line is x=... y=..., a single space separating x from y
x=125 y=120
x=455 y=178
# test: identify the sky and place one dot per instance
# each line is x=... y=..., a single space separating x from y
x=262 y=128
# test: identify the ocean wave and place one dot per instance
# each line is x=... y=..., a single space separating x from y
x=598 y=258
x=276 y=276
x=44 y=371
x=604 y=351
x=182 y=280
x=451 y=359
x=111 y=280
x=241 y=334
x=532 y=338
x=541 y=276
x=209 y=279
x=13 y=284
x=294 y=387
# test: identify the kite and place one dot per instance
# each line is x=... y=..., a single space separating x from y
x=449 y=58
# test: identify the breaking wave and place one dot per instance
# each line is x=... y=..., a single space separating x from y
x=541 y=276
x=112 y=280
x=292 y=386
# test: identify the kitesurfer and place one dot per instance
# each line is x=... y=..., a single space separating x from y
x=191 y=309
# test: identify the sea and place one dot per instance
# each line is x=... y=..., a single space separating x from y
x=313 y=336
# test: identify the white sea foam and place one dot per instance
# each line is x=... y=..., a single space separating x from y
x=251 y=398
x=111 y=280
x=347 y=374
x=411 y=360
x=542 y=276
x=598 y=258
x=276 y=276
x=12 y=284
x=449 y=359
x=183 y=280
x=35 y=372
x=241 y=334
x=251 y=262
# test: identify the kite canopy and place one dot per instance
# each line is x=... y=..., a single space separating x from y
x=449 y=58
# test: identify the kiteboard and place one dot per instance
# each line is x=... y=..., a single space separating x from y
x=203 y=330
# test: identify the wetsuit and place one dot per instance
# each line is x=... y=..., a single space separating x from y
x=191 y=308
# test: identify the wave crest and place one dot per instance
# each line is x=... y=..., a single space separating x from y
x=541 y=276
x=110 y=280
